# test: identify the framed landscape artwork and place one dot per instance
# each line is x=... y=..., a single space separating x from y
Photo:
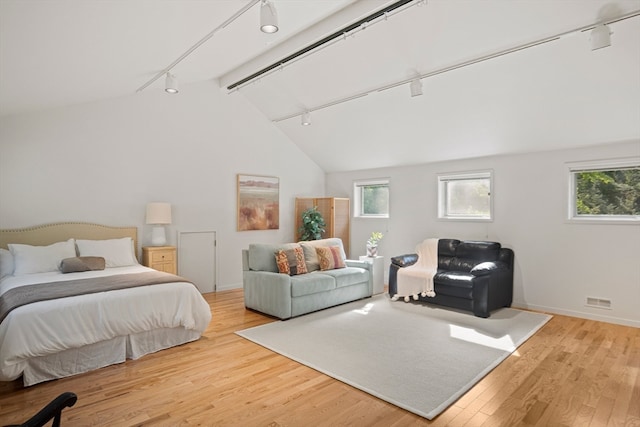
x=258 y=202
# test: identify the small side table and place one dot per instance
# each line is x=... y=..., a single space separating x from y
x=377 y=266
x=161 y=258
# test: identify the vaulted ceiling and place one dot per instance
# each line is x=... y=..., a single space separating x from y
x=486 y=89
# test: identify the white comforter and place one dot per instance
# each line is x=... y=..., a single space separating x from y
x=48 y=327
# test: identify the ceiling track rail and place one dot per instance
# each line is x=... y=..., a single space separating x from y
x=484 y=58
x=362 y=23
x=189 y=51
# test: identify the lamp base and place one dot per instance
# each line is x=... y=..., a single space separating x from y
x=158 y=236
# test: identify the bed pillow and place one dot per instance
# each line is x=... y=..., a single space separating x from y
x=291 y=261
x=330 y=258
x=116 y=252
x=29 y=259
x=6 y=263
x=82 y=263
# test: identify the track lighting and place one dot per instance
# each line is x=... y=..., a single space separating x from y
x=306 y=118
x=268 y=17
x=600 y=37
x=416 y=87
x=170 y=83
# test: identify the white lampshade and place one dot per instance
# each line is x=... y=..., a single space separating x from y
x=158 y=213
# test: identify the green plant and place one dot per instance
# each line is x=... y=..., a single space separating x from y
x=376 y=236
x=312 y=224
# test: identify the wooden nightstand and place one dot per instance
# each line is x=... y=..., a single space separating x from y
x=161 y=258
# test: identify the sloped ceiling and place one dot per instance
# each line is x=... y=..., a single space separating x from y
x=558 y=94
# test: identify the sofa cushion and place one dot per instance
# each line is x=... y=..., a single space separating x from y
x=446 y=252
x=310 y=255
x=485 y=251
x=485 y=268
x=291 y=261
x=262 y=256
x=312 y=283
x=453 y=283
x=471 y=253
x=348 y=276
x=329 y=258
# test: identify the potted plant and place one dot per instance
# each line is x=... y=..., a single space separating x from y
x=372 y=243
x=312 y=224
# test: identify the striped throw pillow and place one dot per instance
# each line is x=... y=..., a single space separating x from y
x=330 y=258
x=291 y=261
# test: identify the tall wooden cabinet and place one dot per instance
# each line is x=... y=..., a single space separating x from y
x=336 y=213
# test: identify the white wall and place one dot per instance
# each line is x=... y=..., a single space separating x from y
x=558 y=264
x=102 y=162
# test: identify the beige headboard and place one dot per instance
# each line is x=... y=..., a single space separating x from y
x=47 y=234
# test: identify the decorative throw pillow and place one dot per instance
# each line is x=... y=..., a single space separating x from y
x=330 y=258
x=291 y=261
x=82 y=263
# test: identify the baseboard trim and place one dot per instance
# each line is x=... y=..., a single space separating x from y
x=229 y=287
x=579 y=314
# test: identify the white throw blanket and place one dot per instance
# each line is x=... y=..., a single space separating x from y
x=417 y=279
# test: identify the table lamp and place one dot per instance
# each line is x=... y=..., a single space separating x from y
x=158 y=215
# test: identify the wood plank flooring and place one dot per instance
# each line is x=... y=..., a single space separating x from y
x=573 y=372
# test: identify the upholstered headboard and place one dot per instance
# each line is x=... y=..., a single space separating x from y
x=47 y=234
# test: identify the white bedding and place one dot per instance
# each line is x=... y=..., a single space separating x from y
x=134 y=318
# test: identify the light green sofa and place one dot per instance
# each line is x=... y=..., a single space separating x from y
x=284 y=296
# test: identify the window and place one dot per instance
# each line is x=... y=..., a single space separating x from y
x=465 y=196
x=607 y=190
x=371 y=198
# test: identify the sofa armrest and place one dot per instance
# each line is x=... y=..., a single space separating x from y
x=356 y=263
x=365 y=265
x=404 y=260
x=487 y=267
x=268 y=292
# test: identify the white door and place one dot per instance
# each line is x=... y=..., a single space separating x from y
x=197 y=258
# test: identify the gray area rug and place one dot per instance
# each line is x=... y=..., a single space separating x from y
x=419 y=357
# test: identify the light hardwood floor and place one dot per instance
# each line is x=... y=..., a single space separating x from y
x=573 y=372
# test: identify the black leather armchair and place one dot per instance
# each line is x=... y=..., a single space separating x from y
x=475 y=276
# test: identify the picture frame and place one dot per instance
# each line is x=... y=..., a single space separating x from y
x=258 y=202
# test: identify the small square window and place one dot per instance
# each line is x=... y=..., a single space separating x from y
x=465 y=196
x=371 y=198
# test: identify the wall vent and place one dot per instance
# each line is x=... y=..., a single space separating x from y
x=598 y=302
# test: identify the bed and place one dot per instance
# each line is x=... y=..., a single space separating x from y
x=50 y=328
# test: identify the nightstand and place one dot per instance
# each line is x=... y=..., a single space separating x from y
x=161 y=258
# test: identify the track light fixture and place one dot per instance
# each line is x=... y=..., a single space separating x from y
x=306 y=118
x=416 y=87
x=165 y=70
x=170 y=84
x=268 y=17
x=600 y=37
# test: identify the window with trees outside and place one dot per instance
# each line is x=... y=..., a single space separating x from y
x=465 y=196
x=371 y=198
x=605 y=190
